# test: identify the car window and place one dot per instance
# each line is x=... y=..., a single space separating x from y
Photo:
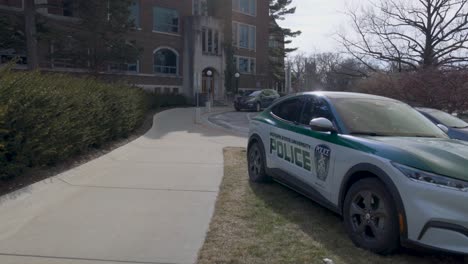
x=384 y=118
x=289 y=110
x=447 y=119
x=272 y=93
x=267 y=93
x=256 y=93
x=315 y=108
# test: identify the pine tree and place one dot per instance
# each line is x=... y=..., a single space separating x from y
x=279 y=9
x=95 y=37
x=101 y=35
x=12 y=34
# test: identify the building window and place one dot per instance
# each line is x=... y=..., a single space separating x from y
x=68 y=8
x=248 y=7
x=166 y=61
x=68 y=53
x=244 y=36
x=135 y=13
x=124 y=67
x=235 y=33
x=273 y=42
x=12 y=3
x=165 y=20
x=204 y=39
x=200 y=8
x=210 y=41
x=245 y=64
x=252 y=37
x=216 y=42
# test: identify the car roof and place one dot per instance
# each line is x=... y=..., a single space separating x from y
x=427 y=110
x=347 y=95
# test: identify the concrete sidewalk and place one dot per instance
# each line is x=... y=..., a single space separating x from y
x=147 y=202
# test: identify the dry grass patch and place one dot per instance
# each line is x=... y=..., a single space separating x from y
x=269 y=223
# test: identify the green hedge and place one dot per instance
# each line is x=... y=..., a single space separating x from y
x=46 y=118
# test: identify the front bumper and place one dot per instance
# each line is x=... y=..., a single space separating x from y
x=436 y=217
x=244 y=105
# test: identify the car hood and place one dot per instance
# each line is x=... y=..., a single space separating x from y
x=245 y=98
x=447 y=157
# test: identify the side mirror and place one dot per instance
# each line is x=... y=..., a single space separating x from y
x=443 y=128
x=322 y=125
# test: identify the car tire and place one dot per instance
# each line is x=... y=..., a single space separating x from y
x=257 y=164
x=370 y=217
x=237 y=109
x=258 y=107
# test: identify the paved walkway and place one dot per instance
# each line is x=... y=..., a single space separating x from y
x=147 y=202
x=235 y=122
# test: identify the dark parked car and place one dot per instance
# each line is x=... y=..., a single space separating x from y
x=256 y=101
x=453 y=126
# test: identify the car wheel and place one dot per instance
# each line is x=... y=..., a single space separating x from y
x=256 y=163
x=237 y=109
x=370 y=217
x=258 y=107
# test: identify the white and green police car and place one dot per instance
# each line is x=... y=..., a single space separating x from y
x=392 y=174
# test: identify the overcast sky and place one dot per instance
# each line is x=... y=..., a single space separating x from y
x=318 y=20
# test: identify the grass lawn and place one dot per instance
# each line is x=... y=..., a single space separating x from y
x=268 y=223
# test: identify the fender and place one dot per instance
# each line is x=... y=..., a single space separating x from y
x=257 y=138
x=386 y=179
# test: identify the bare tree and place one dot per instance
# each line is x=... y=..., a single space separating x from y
x=304 y=72
x=410 y=34
x=326 y=71
x=446 y=90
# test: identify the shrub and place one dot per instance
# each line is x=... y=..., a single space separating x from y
x=46 y=118
x=446 y=90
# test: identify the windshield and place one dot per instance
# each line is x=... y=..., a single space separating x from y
x=384 y=118
x=447 y=119
x=256 y=93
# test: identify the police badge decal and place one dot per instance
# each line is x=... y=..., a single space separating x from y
x=322 y=161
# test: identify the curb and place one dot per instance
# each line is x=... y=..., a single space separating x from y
x=205 y=122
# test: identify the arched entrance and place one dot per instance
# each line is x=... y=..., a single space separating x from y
x=209 y=77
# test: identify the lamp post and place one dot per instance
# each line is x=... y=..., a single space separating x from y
x=197 y=94
x=237 y=75
x=209 y=74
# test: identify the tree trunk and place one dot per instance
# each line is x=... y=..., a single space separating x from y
x=30 y=34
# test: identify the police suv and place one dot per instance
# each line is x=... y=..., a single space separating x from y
x=393 y=175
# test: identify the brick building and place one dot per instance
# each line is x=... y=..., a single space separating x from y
x=185 y=44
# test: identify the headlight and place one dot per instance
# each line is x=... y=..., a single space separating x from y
x=431 y=178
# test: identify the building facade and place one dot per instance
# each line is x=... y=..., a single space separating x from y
x=187 y=45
